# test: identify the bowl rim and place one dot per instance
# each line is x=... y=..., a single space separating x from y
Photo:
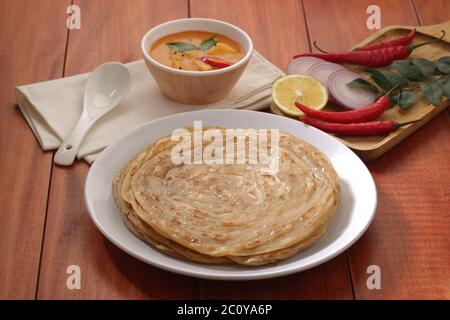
x=159 y=65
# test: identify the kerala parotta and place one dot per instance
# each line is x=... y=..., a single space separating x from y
x=241 y=213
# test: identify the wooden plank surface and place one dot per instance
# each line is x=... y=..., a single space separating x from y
x=25 y=56
x=432 y=12
x=277 y=31
x=411 y=237
x=408 y=238
x=111 y=30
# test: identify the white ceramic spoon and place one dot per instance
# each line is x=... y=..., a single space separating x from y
x=105 y=88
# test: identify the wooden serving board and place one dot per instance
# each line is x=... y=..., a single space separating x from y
x=370 y=148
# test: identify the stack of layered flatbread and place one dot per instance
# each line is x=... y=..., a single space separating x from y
x=228 y=213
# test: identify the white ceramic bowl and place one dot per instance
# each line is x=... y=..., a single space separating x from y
x=196 y=87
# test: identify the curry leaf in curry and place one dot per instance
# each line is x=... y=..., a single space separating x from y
x=181 y=46
x=208 y=43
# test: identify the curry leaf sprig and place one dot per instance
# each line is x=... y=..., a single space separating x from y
x=411 y=76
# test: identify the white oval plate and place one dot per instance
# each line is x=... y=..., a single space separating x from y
x=356 y=210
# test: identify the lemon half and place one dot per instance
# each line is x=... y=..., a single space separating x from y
x=306 y=90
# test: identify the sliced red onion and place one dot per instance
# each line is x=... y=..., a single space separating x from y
x=345 y=96
x=302 y=64
x=323 y=70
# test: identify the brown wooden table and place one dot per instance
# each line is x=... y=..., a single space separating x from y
x=44 y=226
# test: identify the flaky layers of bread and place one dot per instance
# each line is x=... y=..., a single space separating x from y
x=229 y=213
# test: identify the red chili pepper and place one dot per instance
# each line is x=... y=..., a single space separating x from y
x=361 y=115
x=374 y=58
x=395 y=42
x=372 y=128
x=216 y=63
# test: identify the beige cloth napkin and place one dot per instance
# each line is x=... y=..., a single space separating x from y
x=52 y=108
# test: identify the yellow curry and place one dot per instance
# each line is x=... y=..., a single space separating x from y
x=196 y=51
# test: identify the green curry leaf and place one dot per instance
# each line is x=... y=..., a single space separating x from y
x=401 y=63
x=361 y=83
x=445 y=60
x=432 y=90
x=407 y=99
x=208 y=43
x=386 y=79
x=432 y=79
x=379 y=78
x=393 y=99
x=427 y=67
x=442 y=66
x=445 y=83
x=408 y=70
x=181 y=46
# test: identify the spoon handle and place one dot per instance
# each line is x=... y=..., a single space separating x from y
x=69 y=148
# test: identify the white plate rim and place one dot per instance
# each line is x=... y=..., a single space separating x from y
x=245 y=274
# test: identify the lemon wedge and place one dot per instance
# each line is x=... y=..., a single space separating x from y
x=306 y=90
